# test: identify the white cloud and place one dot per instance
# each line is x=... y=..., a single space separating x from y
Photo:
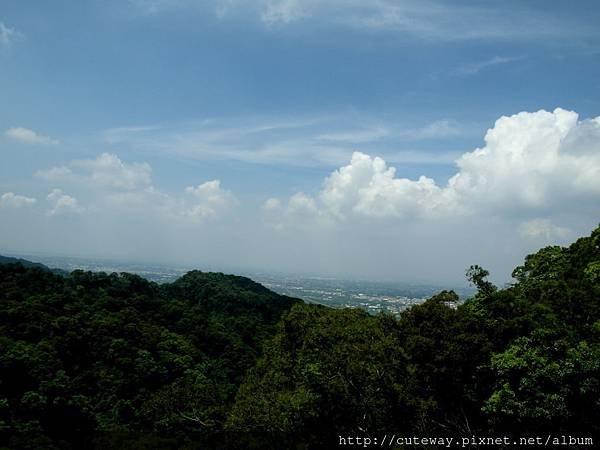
x=301 y=210
x=115 y=135
x=542 y=228
x=305 y=141
x=435 y=130
x=62 y=203
x=476 y=67
x=209 y=200
x=367 y=186
x=157 y=6
x=6 y=35
x=284 y=11
x=424 y=19
x=533 y=163
x=125 y=188
x=54 y=173
x=535 y=179
x=272 y=204
x=27 y=136
x=12 y=200
x=302 y=204
x=109 y=171
x=105 y=171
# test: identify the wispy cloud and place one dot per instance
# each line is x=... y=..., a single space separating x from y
x=308 y=142
x=438 y=21
x=439 y=129
x=474 y=68
x=7 y=35
x=425 y=19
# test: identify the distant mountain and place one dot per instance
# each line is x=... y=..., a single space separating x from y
x=30 y=264
x=112 y=360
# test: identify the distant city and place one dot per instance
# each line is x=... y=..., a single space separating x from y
x=372 y=296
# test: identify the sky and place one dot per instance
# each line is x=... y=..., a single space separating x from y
x=382 y=140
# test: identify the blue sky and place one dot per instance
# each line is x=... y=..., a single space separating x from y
x=272 y=97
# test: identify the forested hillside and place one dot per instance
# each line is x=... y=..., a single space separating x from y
x=516 y=361
x=106 y=360
x=115 y=361
x=26 y=263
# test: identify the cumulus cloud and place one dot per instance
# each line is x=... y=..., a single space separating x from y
x=535 y=179
x=532 y=164
x=12 y=200
x=27 y=136
x=369 y=187
x=300 y=203
x=122 y=188
x=272 y=205
x=209 y=200
x=532 y=161
x=108 y=170
x=62 y=203
x=105 y=171
x=301 y=210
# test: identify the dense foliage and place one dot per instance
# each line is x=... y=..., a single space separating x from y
x=518 y=361
x=119 y=362
x=114 y=358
